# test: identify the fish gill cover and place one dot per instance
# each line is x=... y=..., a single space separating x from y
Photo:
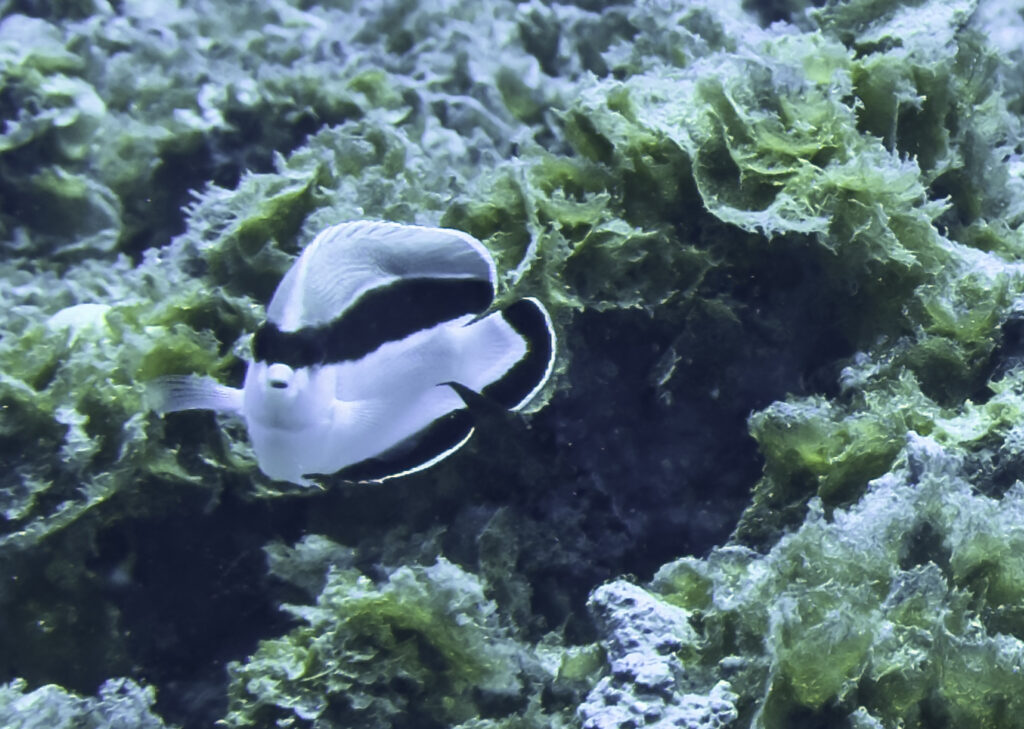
x=773 y=483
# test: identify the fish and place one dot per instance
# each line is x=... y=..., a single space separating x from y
x=374 y=341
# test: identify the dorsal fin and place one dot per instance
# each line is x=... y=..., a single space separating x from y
x=346 y=261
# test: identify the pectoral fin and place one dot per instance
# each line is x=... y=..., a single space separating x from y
x=173 y=393
x=481 y=407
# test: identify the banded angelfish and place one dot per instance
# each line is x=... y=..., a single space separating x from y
x=370 y=338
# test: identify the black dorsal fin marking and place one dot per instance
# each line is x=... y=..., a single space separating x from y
x=524 y=379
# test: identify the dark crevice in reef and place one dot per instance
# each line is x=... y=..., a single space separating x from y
x=192 y=593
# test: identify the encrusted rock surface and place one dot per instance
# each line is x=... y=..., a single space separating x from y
x=649 y=685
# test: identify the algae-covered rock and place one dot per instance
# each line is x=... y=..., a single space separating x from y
x=781 y=247
x=884 y=610
x=424 y=642
x=121 y=704
x=650 y=645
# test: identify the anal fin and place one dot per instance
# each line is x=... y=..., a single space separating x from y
x=421 y=450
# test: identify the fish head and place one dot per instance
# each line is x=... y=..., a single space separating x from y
x=279 y=396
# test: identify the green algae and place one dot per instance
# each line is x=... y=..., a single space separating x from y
x=831 y=206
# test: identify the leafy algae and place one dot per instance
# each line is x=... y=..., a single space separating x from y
x=813 y=223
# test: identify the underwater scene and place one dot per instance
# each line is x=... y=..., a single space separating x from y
x=482 y=364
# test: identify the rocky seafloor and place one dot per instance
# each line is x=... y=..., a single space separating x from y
x=773 y=482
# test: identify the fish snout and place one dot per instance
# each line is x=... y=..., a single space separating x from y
x=279 y=376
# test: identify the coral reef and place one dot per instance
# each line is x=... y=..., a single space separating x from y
x=774 y=481
x=122 y=704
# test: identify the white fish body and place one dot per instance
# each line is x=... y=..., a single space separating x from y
x=364 y=331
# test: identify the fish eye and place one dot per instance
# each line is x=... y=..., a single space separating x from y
x=279 y=375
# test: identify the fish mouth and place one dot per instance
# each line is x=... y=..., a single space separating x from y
x=279 y=376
